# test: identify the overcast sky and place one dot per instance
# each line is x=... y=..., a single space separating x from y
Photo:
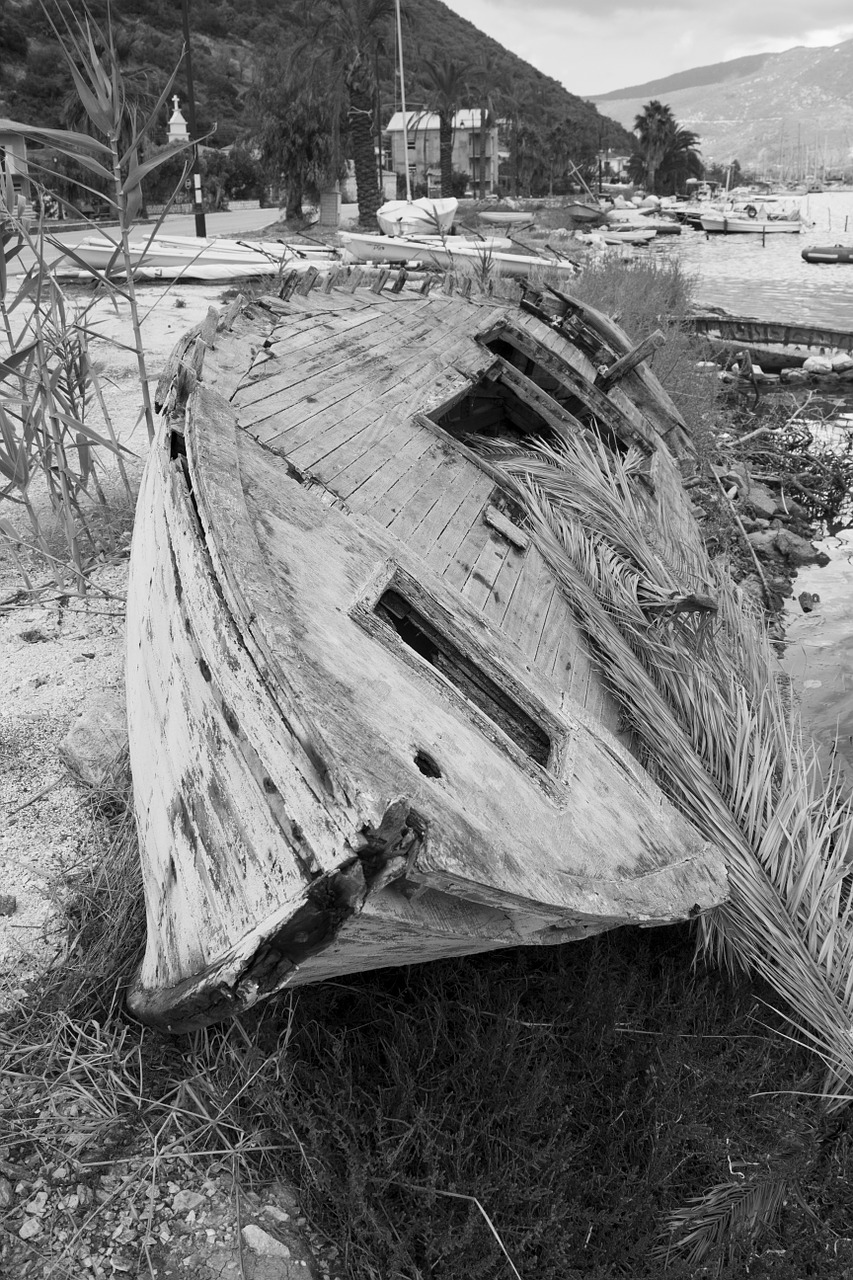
x=592 y=46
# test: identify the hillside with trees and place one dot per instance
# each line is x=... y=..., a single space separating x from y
x=239 y=52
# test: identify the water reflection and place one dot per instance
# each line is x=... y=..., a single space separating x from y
x=771 y=280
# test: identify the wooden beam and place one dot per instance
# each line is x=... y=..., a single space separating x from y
x=530 y=393
x=608 y=413
x=630 y=360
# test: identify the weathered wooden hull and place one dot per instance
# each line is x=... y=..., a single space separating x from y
x=747 y=329
x=315 y=796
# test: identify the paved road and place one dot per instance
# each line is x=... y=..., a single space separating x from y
x=241 y=221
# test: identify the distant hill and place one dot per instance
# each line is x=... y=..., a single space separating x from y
x=784 y=114
x=227 y=41
x=715 y=73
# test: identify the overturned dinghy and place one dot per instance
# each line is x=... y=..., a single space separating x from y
x=365 y=728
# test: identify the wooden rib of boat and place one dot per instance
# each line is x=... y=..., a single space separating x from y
x=365 y=728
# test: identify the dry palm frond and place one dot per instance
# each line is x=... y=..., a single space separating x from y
x=697 y=681
x=730 y=1212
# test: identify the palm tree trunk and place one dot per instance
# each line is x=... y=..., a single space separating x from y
x=445 y=153
x=360 y=116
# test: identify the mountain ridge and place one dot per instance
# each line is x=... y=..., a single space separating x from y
x=789 y=115
x=228 y=42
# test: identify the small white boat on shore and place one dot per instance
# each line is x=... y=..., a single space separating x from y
x=416 y=217
x=363 y=247
x=618 y=235
x=175 y=257
x=448 y=254
x=516 y=219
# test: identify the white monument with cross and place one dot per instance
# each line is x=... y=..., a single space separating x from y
x=178 y=131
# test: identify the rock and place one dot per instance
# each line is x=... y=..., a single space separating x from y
x=7 y=1195
x=797 y=550
x=37 y=1205
x=763 y=541
x=262 y=1242
x=842 y=363
x=8 y=904
x=187 y=1201
x=92 y=744
x=761 y=501
x=30 y=1228
x=817 y=364
x=808 y=600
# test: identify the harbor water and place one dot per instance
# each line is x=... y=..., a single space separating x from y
x=769 y=279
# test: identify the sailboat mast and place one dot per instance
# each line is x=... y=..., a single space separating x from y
x=403 y=101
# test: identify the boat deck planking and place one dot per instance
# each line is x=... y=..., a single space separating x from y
x=289 y=717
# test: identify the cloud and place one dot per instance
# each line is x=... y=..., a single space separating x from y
x=594 y=46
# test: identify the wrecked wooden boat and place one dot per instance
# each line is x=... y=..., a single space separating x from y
x=365 y=727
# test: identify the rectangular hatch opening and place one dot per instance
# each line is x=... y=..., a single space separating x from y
x=425 y=639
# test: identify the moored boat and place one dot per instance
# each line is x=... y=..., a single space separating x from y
x=732 y=223
x=829 y=253
x=366 y=728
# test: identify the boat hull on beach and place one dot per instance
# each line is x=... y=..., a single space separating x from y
x=417 y=217
x=176 y=257
x=364 y=247
x=516 y=219
x=452 y=253
x=365 y=726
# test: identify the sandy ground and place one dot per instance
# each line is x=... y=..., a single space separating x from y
x=56 y=658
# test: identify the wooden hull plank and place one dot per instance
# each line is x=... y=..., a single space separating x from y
x=363 y=492
x=480 y=583
x=430 y=508
x=446 y=546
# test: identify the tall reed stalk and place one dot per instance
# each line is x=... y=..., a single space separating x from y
x=47 y=378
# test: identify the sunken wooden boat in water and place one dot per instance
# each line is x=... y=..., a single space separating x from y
x=365 y=727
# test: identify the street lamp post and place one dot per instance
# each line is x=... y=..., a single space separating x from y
x=198 y=207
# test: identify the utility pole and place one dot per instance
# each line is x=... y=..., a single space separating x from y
x=198 y=207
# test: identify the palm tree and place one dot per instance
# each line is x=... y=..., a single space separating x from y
x=665 y=154
x=491 y=83
x=296 y=131
x=654 y=128
x=681 y=161
x=346 y=37
x=447 y=90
